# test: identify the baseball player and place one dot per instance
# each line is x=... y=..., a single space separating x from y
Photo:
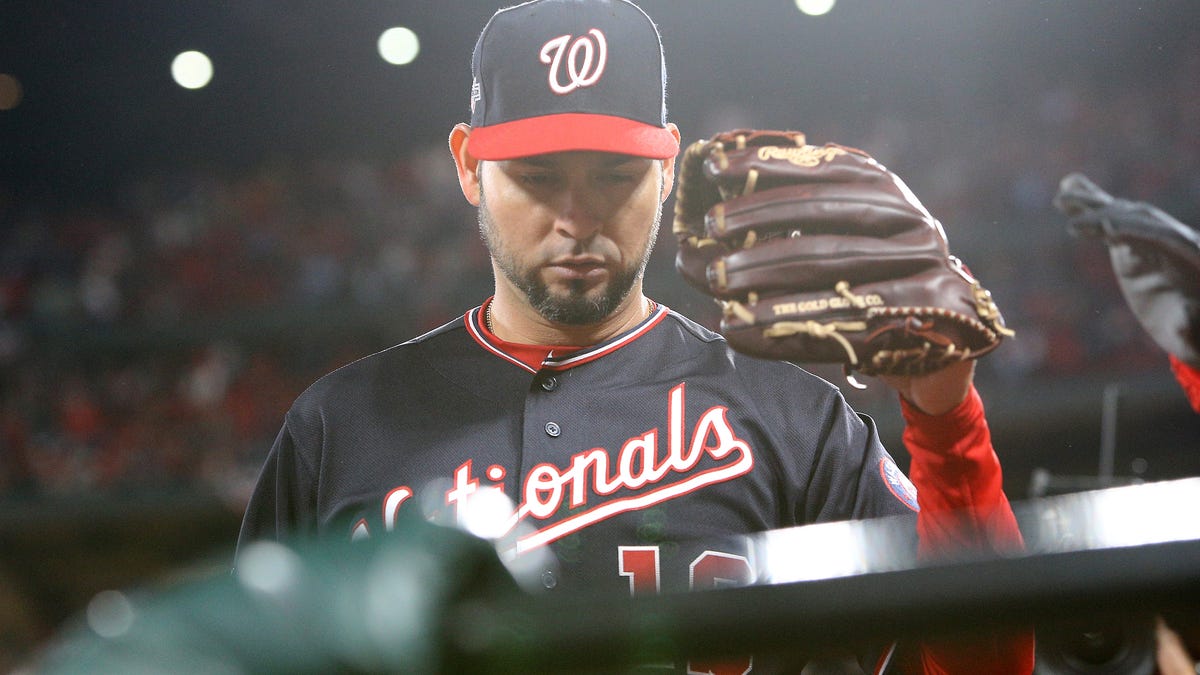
x=634 y=445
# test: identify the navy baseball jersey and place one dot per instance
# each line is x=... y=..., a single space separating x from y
x=639 y=461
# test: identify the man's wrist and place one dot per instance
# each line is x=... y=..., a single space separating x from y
x=955 y=421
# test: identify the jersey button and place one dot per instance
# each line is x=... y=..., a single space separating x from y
x=549 y=581
x=552 y=429
x=550 y=383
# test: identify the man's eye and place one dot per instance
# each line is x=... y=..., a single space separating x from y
x=536 y=179
x=617 y=178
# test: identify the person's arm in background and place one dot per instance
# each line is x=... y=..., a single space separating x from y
x=1156 y=261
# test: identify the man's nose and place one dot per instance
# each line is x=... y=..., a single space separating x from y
x=578 y=214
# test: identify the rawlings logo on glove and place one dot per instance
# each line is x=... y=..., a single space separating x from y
x=819 y=254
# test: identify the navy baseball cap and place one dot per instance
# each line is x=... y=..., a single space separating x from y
x=557 y=75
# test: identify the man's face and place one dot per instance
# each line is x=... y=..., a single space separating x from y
x=571 y=231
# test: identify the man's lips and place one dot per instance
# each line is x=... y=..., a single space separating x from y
x=578 y=267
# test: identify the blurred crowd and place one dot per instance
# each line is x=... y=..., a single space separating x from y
x=156 y=342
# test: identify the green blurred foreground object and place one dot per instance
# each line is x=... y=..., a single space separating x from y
x=429 y=599
x=1155 y=257
x=369 y=606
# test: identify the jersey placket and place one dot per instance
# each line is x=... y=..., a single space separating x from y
x=552 y=432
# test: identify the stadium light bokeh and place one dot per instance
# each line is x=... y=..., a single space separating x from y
x=399 y=46
x=815 y=7
x=192 y=70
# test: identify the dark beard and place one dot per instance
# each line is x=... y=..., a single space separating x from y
x=576 y=309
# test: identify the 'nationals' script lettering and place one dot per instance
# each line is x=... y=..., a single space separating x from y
x=594 y=483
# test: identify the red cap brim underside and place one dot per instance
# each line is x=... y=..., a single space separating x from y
x=571 y=131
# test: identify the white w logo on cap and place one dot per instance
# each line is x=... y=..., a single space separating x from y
x=582 y=70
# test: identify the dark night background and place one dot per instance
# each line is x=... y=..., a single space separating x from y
x=177 y=265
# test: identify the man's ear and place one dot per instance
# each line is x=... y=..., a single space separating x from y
x=468 y=166
x=669 y=166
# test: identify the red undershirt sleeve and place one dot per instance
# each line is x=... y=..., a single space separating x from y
x=959 y=482
x=963 y=507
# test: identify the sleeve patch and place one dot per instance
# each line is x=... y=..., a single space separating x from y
x=899 y=484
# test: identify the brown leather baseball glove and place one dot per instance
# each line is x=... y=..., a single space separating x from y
x=819 y=254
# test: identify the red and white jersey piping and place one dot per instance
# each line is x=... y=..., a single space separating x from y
x=474 y=320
